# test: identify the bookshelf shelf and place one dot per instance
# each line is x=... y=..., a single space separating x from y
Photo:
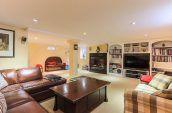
x=141 y=47
x=115 y=59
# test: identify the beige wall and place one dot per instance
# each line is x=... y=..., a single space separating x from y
x=21 y=50
x=103 y=48
x=38 y=53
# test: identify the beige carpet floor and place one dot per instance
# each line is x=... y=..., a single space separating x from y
x=115 y=92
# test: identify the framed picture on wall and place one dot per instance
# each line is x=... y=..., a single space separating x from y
x=7 y=43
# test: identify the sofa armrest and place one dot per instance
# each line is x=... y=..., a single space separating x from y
x=139 y=102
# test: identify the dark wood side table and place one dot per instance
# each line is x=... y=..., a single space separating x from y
x=80 y=96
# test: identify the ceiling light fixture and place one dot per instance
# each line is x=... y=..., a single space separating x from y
x=146 y=35
x=35 y=38
x=84 y=33
x=133 y=23
x=35 y=20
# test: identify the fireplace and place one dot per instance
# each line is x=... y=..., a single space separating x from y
x=98 y=62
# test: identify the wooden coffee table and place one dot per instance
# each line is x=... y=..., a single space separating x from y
x=80 y=96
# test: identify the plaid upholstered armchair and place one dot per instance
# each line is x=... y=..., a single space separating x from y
x=139 y=102
x=149 y=99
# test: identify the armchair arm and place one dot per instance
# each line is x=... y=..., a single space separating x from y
x=139 y=102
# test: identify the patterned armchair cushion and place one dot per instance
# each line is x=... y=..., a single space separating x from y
x=160 y=81
x=139 y=102
x=146 y=89
x=3 y=82
x=3 y=104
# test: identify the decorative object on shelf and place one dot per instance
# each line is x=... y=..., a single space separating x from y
x=7 y=43
x=90 y=48
x=136 y=47
x=98 y=49
x=75 y=46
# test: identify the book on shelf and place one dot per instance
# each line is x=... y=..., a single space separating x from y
x=162 y=58
x=162 y=51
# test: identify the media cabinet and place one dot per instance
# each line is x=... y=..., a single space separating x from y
x=160 y=57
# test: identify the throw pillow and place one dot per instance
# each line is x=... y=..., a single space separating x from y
x=145 y=89
x=167 y=93
x=3 y=104
x=3 y=82
x=160 y=81
x=170 y=86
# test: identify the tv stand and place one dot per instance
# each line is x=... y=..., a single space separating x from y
x=135 y=73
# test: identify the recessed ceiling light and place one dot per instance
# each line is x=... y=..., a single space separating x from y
x=133 y=23
x=146 y=35
x=84 y=33
x=35 y=20
x=35 y=38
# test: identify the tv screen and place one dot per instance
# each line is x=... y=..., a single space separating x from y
x=137 y=61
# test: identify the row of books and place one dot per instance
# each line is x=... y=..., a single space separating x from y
x=162 y=58
x=162 y=51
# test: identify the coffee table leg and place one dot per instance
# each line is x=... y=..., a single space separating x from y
x=106 y=99
x=56 y=103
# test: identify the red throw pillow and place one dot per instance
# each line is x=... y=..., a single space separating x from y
x=146 y=78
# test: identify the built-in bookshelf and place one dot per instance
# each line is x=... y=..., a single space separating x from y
x=161 y=55
x=142 y=47
x=162 y=51
x=115 y=59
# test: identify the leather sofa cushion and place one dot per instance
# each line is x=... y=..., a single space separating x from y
x=40 y=85
x=29 y=74
x=16 y=98
x=10 y=76
x=11 y=88
x=29 y=107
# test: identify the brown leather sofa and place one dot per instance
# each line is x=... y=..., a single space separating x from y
x=27 y=87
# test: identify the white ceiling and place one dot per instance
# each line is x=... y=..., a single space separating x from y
x=103 y=20
x=46 y=38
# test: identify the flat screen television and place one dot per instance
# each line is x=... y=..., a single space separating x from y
x=137 y=61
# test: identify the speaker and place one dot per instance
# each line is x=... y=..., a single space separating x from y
x=119 y=71
x=23 y=39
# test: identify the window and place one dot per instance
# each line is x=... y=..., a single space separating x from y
x=83 y=52
x=51 y=48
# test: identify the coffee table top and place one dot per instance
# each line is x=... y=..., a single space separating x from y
x=80 y=88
